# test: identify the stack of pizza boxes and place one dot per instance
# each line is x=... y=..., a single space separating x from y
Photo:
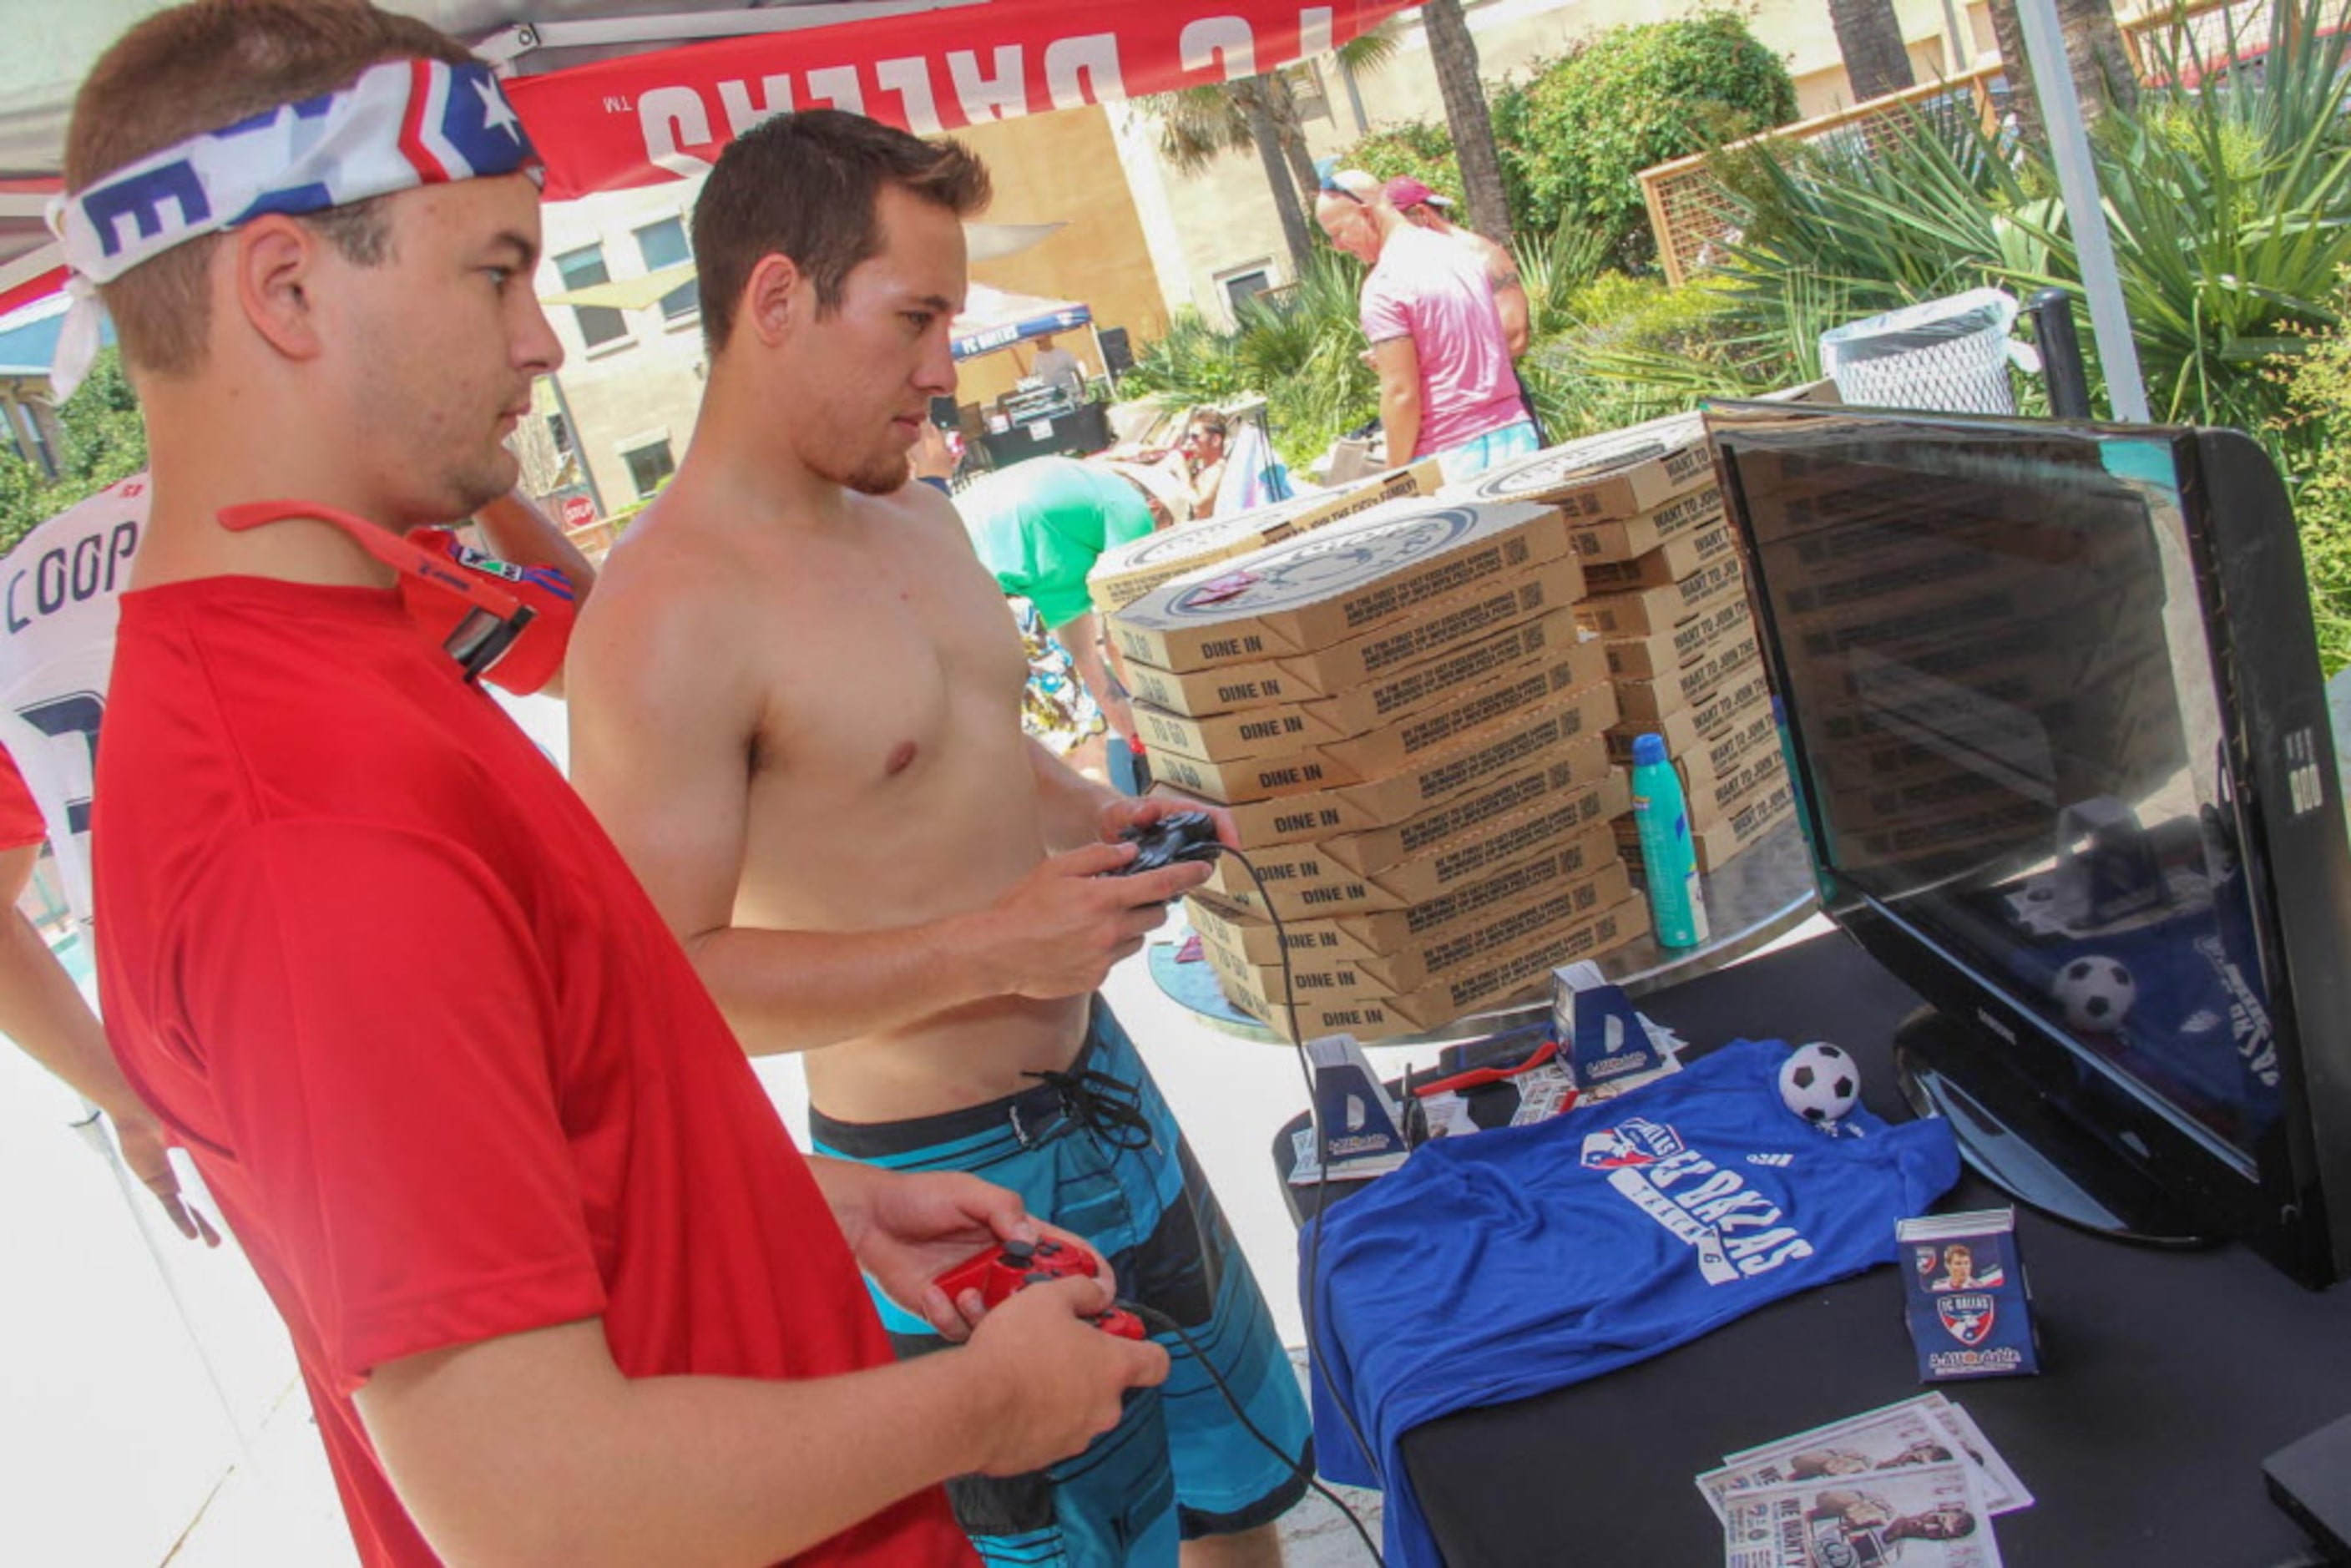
x=1410 y=731
x=1666 y=593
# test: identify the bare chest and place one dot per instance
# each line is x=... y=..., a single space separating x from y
x=883 y=664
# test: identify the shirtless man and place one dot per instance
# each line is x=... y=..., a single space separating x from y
x=795 y=705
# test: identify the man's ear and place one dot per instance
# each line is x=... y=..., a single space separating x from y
x=777 y=287
x=274 y=259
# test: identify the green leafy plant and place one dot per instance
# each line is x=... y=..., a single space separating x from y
x=100 y=439
x=2316 y=387
x=1633 y=97
x=1300 y=347
x=2230 y=209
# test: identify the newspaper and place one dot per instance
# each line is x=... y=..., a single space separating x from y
x=1925 y=1430
x=1921 y=1516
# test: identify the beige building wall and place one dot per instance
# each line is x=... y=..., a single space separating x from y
x=639 y=391
x=1063 y=168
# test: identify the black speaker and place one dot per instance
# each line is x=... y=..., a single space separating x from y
x=945 y=414
x=1117 y=357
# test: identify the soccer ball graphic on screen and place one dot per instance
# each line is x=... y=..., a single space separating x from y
x=1819 y=1083
x=2094 y=994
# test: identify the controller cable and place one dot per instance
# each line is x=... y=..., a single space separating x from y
x=1320 y=1368
x=1159 y=1322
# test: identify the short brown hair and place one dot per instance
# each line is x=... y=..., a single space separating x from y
x=197 y=68
x=806 y=186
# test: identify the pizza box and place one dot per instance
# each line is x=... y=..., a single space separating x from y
x=1668 y=563
x=1413 y=966
x=1382 y=567
x=1712 y=794
x=1583 y=762
x=1522 y=973
x=1716 y=842
x=1127 y=573
x=1727 y=615
x=1641 y=700
x=1447 y=774
x=1302 y=884
x=1286 y=727
x=1617 y=474
x=1454 y=712
x=1249 y=934
x=1735 y=705
x=1638 y=612
x=1753 y=731
x=1441 y=628
x=1625 y=538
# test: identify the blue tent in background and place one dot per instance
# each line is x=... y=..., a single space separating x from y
x=993 y=319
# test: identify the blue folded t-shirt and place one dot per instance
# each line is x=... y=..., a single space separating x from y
x=1519 y=1260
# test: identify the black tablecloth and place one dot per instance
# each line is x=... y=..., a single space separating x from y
x=2170 y=1375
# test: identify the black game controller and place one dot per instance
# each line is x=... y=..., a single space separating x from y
x=1179 y=836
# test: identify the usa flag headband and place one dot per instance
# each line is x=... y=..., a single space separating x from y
x=401 y=124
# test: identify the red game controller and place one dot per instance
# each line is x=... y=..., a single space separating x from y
x=998 y=1271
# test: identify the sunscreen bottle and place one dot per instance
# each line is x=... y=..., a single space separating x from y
x=1667 y=856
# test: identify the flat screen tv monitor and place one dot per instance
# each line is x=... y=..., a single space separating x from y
x=2056 y=710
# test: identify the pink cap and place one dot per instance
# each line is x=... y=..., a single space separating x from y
x=1405 y=191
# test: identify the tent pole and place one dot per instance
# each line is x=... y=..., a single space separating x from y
x=2077 y=183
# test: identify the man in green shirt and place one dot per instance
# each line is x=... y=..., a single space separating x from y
x=1040 y=526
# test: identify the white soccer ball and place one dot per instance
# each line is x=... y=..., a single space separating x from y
x=2094 y=994
x=1819 y=1083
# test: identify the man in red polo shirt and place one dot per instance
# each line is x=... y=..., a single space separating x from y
x=561 y=1286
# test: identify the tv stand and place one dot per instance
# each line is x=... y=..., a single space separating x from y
x=2008 y=1134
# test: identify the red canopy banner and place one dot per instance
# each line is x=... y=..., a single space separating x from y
x=646 y=118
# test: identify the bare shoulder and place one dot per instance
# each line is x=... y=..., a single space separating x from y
x=670 y=593
x=920 y=509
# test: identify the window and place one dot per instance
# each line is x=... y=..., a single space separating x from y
x=649 y=465
x=599 y=324
x=664 y=245
x=1245 y=285
x=559 y=434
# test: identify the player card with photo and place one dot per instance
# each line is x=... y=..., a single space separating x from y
x=1970 y=1311
x=1917 y=1431
x=1920 y=1516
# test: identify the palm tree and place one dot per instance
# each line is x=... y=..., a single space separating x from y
x=1197 y=125
x=1454 y=54
x=2093 y=53
x=1869 y=38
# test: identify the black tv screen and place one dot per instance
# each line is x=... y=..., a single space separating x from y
x=2063 y=745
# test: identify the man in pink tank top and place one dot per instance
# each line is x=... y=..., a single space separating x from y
x=1446 y=387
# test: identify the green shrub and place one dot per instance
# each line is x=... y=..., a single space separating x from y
x=1421 y=148
x=1298 y=346
x=2318 y=392
x=1424 y=148
x=100 y=439
x=1633 y=97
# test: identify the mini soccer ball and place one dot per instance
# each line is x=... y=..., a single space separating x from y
x=1819 y=1083
x=2094 y=994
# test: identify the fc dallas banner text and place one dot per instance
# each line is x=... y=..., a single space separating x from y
x=653 y=117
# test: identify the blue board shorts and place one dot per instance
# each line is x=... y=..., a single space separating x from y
x=1479 y=452
x=1096 y=1151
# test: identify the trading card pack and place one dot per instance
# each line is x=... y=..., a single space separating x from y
x=1970 y=1314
